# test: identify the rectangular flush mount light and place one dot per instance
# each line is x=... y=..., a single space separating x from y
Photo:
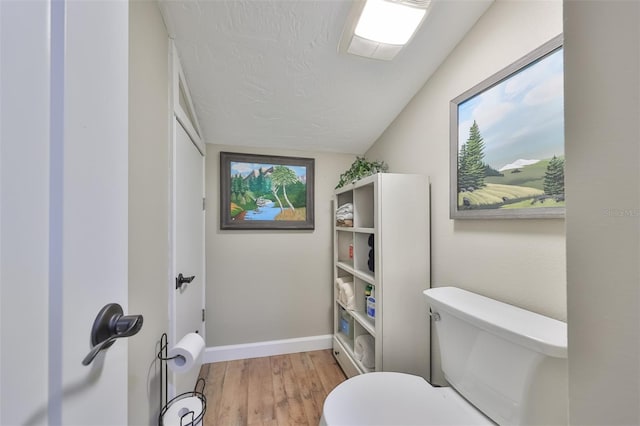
x=380 y=28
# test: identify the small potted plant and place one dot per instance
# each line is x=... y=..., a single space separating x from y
x=361 y=168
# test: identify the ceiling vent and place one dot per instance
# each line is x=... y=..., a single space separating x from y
x=379 y=29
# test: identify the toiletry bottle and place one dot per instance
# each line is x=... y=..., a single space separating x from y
x=367 y=293
x=371 y=304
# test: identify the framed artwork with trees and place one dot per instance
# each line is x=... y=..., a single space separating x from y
x=507 y=141
x=266 y=192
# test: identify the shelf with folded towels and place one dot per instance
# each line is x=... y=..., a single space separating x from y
x=364 y=349
x=354 y=205
x=344 y=203
x=360 y=349
x=351 y=295
x=344 y=215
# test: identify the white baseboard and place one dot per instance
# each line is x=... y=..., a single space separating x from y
x=260 y=349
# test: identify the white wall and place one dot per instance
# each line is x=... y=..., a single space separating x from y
x=602 y=110
x=270 y=285
x=517 y=261
x=148 y=203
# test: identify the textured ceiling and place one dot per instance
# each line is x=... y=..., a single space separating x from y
x=267 y=73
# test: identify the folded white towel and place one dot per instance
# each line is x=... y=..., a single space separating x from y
x=344 y=215
x=345 y=208
x=349 y=299
x=341 y=280
x=350 y=303
x=364 y=350
x=348 y=289
x=344 y=292
x=339 y=289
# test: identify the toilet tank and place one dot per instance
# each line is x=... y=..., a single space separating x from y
x=509 y=362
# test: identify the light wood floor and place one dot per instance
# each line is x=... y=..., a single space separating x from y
x=278 y=390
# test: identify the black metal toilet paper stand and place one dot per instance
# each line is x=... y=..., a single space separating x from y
x=189 y=418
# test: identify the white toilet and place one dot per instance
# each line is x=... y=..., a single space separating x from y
x=506 y=365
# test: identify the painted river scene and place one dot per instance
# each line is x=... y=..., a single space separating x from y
x=267 y=192
x=511 y=141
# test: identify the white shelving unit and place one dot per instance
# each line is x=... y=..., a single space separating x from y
x=394 y=209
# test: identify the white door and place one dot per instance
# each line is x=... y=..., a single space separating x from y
x=64 y=129
x=189 y=246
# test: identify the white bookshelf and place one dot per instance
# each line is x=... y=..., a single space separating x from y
x=394 y=208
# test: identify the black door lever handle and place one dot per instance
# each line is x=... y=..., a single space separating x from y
x=109 y=325
x=181 y=280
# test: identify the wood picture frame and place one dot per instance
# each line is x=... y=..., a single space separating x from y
x=507 y=141
x=266 y=192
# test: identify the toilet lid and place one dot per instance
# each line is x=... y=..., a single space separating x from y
x=397 y=399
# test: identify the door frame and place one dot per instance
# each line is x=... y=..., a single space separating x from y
x=186 y=118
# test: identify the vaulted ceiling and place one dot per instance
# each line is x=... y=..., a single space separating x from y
x=267 y=73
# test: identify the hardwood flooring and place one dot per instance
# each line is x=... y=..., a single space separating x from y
x=279 y=390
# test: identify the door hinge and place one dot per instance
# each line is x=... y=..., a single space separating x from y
x=203 y=315
x=204 y=204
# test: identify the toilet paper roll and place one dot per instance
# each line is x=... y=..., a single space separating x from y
x=188 y=353
x=182 y=407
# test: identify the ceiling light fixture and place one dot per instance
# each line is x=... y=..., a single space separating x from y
x=379 y=29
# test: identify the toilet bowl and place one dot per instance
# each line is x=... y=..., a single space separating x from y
x=397 y=399
x=505 y=365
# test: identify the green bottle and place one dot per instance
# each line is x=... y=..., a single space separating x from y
x=367 y=293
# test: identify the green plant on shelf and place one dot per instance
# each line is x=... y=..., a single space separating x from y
x=361 y=168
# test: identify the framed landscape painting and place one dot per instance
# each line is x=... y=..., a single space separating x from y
x=266 y=192
x=507 y=141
